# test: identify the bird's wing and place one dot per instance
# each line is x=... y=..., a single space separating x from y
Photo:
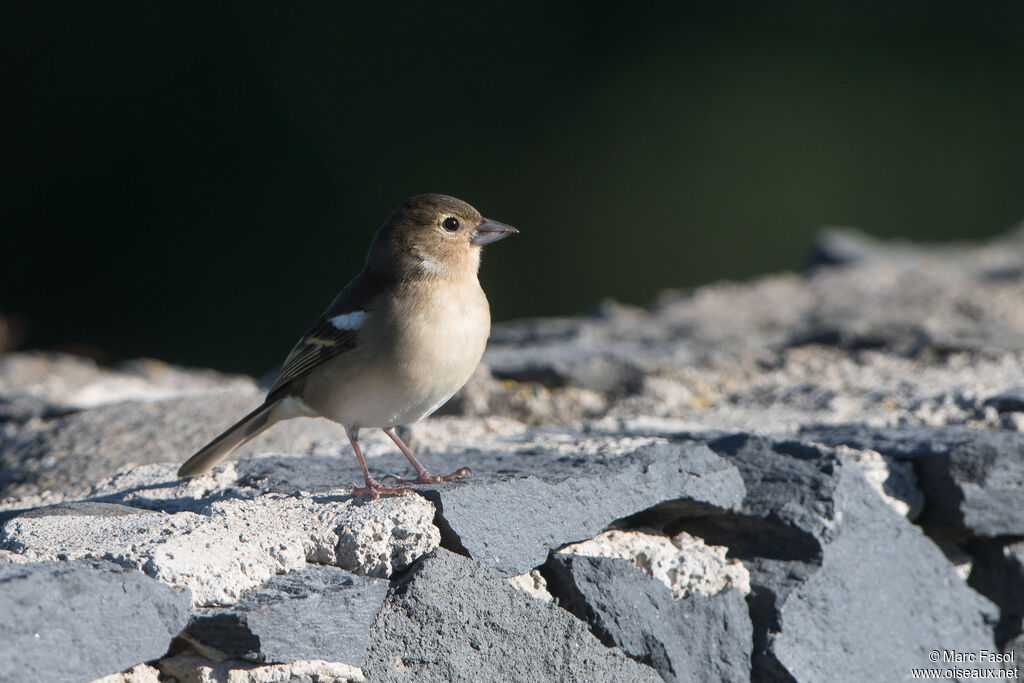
x=334 y=332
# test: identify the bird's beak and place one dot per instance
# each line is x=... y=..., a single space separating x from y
x=491 y=231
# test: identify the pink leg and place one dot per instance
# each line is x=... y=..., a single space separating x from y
x=422 y=475
x=373 y=487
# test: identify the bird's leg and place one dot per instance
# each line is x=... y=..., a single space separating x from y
x=373 y=487
x=422 y=475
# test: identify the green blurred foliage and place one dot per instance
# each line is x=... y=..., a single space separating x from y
x=195 y=182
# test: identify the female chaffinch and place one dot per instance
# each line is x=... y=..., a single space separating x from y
x=394 y=345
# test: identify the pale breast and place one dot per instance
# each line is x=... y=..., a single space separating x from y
x=410 y=362
x=442 y=345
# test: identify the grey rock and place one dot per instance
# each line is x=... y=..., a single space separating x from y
x=836 y=246
x=190 y=667
x=831 y=563
x=1014 y=650
x=322 y=613
x=37 y=384
x=972 y=479
x=140 y=673
x=905 y=350
x=80 y=508
x=684 y=563
x=530 y=496
x=76 y=621
x=20 y=408
x=1008 y=401
x=528 y=401
x=225 y=546
x=512 y=521
x=997 y=573
x=696 y=638
x=452 y=618
x=877 y=302
x=68 y=454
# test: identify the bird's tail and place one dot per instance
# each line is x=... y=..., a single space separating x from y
x=218 y=449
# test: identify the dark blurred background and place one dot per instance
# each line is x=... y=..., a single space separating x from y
x=195 y=182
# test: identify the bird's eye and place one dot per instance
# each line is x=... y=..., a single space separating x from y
x=451 y=224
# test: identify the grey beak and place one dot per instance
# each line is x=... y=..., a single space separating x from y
x=491 y=231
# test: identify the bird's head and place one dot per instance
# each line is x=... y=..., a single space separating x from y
x=434 y=235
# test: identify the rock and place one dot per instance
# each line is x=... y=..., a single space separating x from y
x=695 y=638
x=534 y=490
x=316 y=613
x=972 y=479
x=835 y=246
x=1008 y=401
x=997 y=573
x=530 y=402
x=234 y=544
x=835 y=572
x=1015 y=651
x=70 y=453
x=532 y=583
x=894 y=362
x=604 y=352
x=685 y=564
x=894 y=480
x=484 y=630
x=189 y=667
x=512 y=522
x=49 y=384
x=140 y=673
x=83 y=619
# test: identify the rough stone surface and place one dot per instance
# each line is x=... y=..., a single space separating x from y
x=56 y=383
x=1008 y=401
x=695 y=638
x=898 y=361
x=231 y=544
x=998 y=573
x=817 y=540
x=71 y=452
x=189 y=667
x=972 y=479
x=140 y=673
x=320 y=613
x=512 y=523
x=485 y=630
x=81 y=620
x=685 y=564
x=894 y=480
x=532 y=583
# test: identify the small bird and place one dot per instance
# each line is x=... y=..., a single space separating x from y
x=396 y=343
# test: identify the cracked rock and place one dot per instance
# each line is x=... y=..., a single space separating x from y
x=835 y=572
x=685 y=564
x=69 y=453
x=485 y=630
x=972 y=479
x=316 y=613
x=512 y=522
x=50 y=384
x=233 y=544
x=140 y=673
x=190 y=667
x=83 y=619
x=694 y=638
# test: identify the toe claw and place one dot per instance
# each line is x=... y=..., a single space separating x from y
x=461 y=472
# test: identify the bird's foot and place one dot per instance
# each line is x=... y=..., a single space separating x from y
x=375 y=488
x=426 y=477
